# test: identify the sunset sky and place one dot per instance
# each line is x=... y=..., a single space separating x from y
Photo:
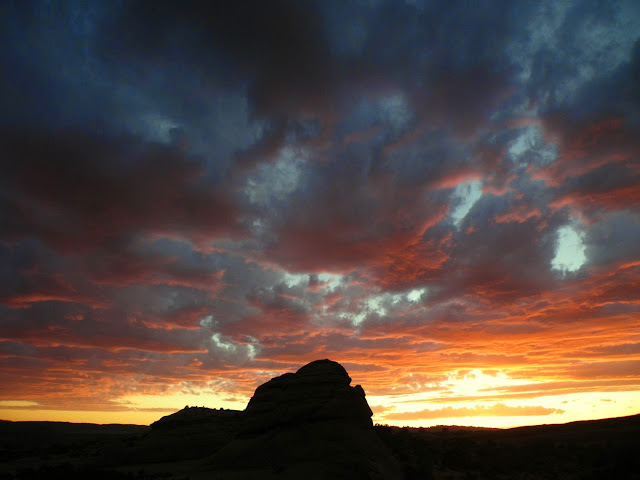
x=443 y=196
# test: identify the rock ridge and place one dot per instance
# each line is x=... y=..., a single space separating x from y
x=309 y=424
x=318 y=392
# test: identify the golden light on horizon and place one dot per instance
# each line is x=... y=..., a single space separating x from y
x=463 y=397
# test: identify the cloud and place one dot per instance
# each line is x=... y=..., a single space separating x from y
x=496 y=410
x=610 y=240
x=17 y=403
x=73 y=190
x=278 y=47
x=294 y=60
x=498 y=260
x=587 y=145
x=198 y=190
x=115 y=328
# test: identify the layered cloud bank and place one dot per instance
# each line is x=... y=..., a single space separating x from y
x=444 y=197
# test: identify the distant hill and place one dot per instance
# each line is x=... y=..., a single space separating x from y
x=46 y=434
x=595 y=449
x=314 y=425
x=189 y=416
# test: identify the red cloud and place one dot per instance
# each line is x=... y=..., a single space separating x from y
x=597 y=163
x=587 y=146
x=519 y=214
x=621 y=196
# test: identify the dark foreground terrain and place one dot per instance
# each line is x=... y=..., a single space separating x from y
x=598 y=449
x=314 y=425
x=601 y=449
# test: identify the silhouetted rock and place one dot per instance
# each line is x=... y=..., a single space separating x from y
x=193 y=432
x=319 y=391
x=200 y=416
x=312 y=425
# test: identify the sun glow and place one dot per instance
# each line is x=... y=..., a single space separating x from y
x=481 y=399
x=176 y=401
x=476 y=382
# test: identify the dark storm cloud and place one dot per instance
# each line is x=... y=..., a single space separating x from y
x=613 y=239
x=294 y=60
x=279 y=45
x=499 y=260
x=75 y=191
x=32 y=274
x=79 y=325
x=597 y=169
x=345 y=225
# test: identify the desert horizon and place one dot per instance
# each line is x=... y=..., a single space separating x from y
x=315 y=423
x=473 y=405
x=494 y=414
x=437 y=426
x=29 y=414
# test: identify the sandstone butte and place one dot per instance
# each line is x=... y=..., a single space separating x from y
x=307 y=425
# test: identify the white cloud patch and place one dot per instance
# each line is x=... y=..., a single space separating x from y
x=330 y=281
x=276 y=181
x=383 y=305
x=570 y=250
x=295 y=279
x=415 y=295
x=227 y=347
x=208 y=321
x=464 y=198
x=530 y=147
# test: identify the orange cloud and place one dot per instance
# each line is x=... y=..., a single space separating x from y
x=497 y=410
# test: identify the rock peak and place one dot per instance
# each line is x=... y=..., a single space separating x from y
x=325 y=367
x=319 y=391
x=309 y=424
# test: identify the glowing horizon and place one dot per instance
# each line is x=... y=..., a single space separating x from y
x=472 y=399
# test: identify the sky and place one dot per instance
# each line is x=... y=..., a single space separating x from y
x=443 y=196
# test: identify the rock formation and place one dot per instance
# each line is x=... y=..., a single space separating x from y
x=199 y=416
x=310 y=424
x=319 y=391
x=191 y=433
